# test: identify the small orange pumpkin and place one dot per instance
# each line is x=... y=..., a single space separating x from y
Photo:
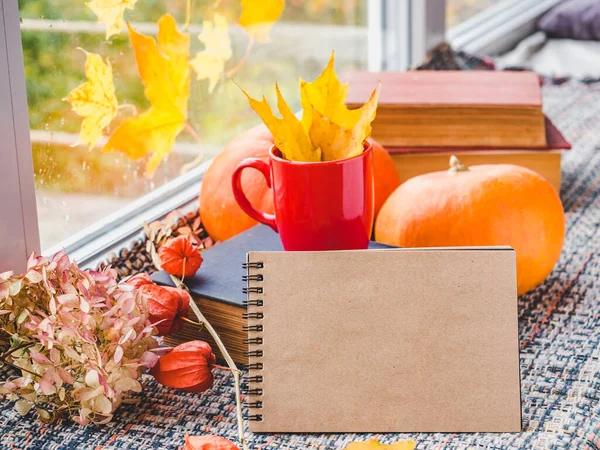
x=481 y=205
x=386 y=176
x=223 y=218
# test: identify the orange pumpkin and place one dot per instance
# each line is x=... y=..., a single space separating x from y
x=387 y=178
x=482 y=205
x=223 y=218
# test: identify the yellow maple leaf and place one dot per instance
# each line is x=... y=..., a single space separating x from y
x=210 y=62
x=337 y=142
x=328 y=96
x=333 y=141
x=258 y=17
x=164 y=70
x=342 y=138
x=110 y=12
x=289 y=135
x=94 y=100
x=374 y=444
x=333 y=128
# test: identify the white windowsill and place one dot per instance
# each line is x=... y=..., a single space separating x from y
x=93 y=244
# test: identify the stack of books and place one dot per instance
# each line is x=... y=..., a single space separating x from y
x=482 y=117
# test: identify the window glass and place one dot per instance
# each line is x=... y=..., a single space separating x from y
x=458 y=11
x=77 y=185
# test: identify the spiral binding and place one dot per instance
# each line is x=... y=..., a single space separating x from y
x=252 y=291
x=256 y=405
x=253 y=302
x=253 y=315
x=252 y=277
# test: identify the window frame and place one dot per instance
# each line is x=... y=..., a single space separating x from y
x=19 y=224
x=399 y=34
x=498 y=28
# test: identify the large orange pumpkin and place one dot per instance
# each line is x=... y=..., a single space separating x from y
x=482 y=205
x=221 y=215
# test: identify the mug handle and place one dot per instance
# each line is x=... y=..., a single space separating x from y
x=240 y=197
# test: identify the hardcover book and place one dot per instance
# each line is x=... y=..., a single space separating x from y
x=454 y=108
x=413 y=161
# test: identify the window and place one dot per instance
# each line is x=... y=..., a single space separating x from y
x=76 y=186
x=89 y=201
x=457 y=11
x=491 y=27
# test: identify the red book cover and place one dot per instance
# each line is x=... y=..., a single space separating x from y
x=555 y=141
x=444 y=88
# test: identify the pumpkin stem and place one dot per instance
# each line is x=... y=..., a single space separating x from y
x=456 y=165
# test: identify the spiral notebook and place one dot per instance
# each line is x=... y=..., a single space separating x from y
x=407 y=340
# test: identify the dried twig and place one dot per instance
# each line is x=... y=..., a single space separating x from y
x=203 y=322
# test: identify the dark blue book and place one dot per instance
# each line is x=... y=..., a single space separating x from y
x=217 y=288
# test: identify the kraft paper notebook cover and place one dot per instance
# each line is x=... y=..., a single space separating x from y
x=421 y=340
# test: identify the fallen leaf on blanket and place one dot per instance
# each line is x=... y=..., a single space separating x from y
x=374 y=444
x=208 y=442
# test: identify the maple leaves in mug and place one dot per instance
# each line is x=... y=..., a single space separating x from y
x=328 y=130
x=164 y=68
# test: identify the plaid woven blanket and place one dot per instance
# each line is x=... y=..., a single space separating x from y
x=559 y=331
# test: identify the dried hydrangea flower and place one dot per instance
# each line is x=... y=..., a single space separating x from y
x=79 y=339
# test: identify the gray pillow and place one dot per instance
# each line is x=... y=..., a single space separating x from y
x=573 y=19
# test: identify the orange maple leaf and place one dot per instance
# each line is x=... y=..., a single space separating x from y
x=163 y=68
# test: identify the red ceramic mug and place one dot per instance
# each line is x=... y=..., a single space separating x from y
x=326 y=205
